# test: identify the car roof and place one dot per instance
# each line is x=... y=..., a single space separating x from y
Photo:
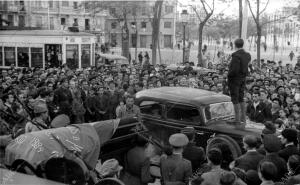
x=184 y=95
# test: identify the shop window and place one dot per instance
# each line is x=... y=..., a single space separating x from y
x=23 y=57
x=37 y=57
x=85 y=55
x=9 y=56
x=72 y=56
x=53 y=55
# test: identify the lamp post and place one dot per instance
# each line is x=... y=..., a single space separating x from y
x=184 y=18
x=122 y=23
x=134 y=27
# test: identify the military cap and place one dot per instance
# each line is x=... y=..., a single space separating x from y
x=290 y=134
x=271 y=143
x=40 y=108
x=178 y=140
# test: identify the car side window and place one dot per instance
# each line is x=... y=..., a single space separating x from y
x=183 y=113
x=152 y=108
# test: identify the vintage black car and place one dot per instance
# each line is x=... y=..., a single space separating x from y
x=167 y=110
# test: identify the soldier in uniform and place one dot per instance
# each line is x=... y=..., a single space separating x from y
x=175 y=169
x=40 y=119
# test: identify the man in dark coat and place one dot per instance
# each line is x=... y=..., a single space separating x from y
x=258 y=111
x=63 y=95
x=251 y=159
x=114 y=97
x=272 y=146
x=175 y=169
x=238 y=70
x=290 y=141
x=191 y=152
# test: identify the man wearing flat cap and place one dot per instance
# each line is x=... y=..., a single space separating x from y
x=191 y=152
x=175 y=169
x=39 y=122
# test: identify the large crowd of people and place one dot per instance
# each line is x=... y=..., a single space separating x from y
x=34 y=99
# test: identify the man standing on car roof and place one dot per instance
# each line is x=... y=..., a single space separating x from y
x=238 y=70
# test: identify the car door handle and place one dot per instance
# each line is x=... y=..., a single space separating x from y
x=200 y=133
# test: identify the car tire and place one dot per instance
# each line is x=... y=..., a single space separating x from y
x=223 y=139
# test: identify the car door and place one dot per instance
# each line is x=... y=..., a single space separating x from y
x=152 y=112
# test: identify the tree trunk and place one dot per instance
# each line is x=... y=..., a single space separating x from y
x=158 y=47
x=155 y=28
x=200 y=32
x=125 y=39
x=240 y=18
x=258 y=45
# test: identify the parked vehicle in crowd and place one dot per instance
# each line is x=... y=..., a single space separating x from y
x=167 y=110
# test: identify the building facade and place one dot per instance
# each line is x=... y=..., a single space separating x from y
x=14 y=13
x=53 y=15
x=142 y=23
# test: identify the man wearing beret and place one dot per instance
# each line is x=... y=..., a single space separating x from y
x=40 y=119
x=238 y=70
x=175 y=169
x=289 y=140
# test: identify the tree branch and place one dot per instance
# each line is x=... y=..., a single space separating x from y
x=202 y=1
x=254 y=18
x=264 y=7
x=208 y=5
x=198 y=15
x=275 y=20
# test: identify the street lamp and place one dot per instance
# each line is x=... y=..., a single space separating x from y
x=134 y=27
x=184 y=18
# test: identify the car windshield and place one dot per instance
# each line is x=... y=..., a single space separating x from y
x=219 y=111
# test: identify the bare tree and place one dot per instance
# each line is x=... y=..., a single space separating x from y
x=259 y=23
x=120 y=11
x=156 y=28
x=209 y=10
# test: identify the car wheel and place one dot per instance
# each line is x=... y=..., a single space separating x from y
x=229 y=147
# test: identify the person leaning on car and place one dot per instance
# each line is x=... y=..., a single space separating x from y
x=238 y=70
